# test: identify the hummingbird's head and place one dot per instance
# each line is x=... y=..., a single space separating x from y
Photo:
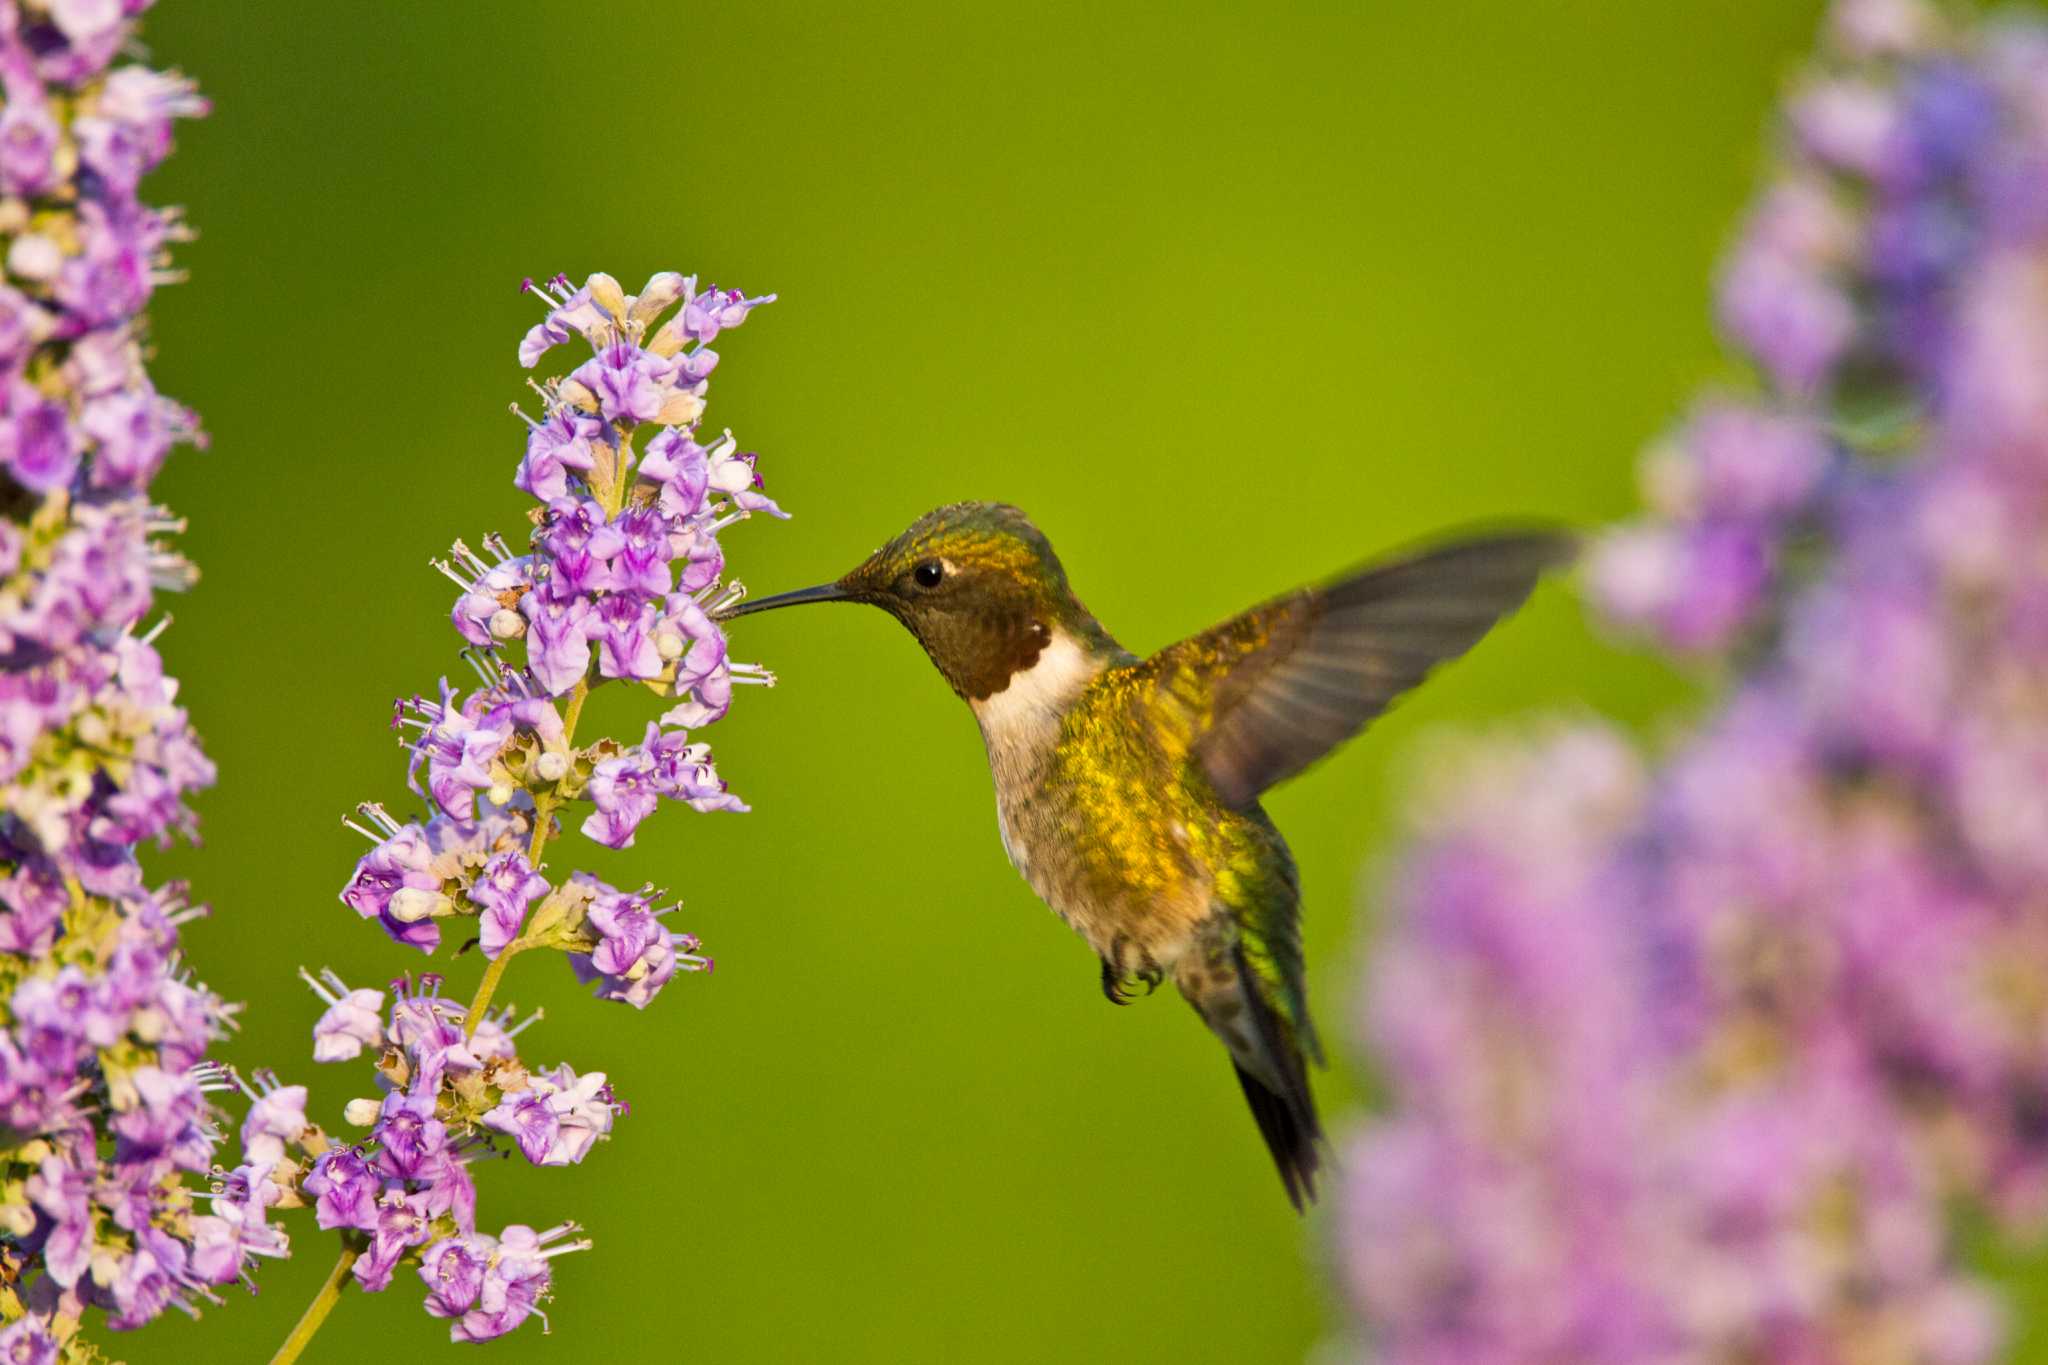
x=975 y=582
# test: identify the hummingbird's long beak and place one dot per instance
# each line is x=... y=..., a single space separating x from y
x=824 y=592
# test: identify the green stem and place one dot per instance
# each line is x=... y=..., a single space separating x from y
x=486 y=988
x=317 y=1311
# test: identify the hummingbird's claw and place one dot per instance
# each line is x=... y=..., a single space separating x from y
x=1116 y=978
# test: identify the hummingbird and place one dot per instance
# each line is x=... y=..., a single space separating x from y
x=1127 y=789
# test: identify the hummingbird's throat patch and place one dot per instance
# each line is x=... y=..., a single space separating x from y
x=1040 y=691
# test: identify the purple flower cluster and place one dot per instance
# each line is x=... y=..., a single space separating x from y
x=110 y=1194
x=1690 y=1060
x=619 y=583
x=406 y=1189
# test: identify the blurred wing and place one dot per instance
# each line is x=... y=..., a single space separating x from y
x=1288 y=681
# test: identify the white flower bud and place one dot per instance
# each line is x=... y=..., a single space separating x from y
x=668 y=340
x=669 y=643
x=660 y=293
x=606 y=294
x=35 y=257
x=148 y=1024
x=552 y=766
x=680 y=409
x=362 y=1112
x=413 y=904
x=507 y=624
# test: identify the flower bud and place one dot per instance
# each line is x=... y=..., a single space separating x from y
x=35 y=257
x=668 y=340
x=362 y=1112
x=681 y=409
x=148 y=1024
x=659 y=294
x=552 y=766
x=412 y=904
x=606 y=294
x=507 y=624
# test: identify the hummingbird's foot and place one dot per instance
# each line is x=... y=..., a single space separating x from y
x=1117 y=978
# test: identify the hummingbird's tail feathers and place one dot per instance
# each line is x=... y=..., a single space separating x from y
x=1295 y=1149
x=1290 y=680
x=1267 y=1055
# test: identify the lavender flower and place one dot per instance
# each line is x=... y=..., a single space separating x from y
x=1691 y=1060
x=619 y=583
x=510 y=1275
x=106 y=1111
x=557 y=1118
x=353 y=1020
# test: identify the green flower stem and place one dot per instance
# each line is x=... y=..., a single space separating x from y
x=487 y=987
x=322 y=1304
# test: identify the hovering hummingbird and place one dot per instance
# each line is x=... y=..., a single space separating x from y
x=1127 y=789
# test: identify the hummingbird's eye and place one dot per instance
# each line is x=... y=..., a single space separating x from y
x=929 y=573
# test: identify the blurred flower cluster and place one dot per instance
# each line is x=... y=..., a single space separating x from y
x=618 y=584
x=1692 y=1060
x=112 y=1193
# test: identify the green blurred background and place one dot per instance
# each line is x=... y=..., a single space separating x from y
x=1225 y=297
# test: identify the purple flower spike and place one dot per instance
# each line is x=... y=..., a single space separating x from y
x=1665 y=1039
x=105 y=1090
x=621 y=581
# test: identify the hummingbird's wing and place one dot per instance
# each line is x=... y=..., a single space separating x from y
x=1280 y=686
